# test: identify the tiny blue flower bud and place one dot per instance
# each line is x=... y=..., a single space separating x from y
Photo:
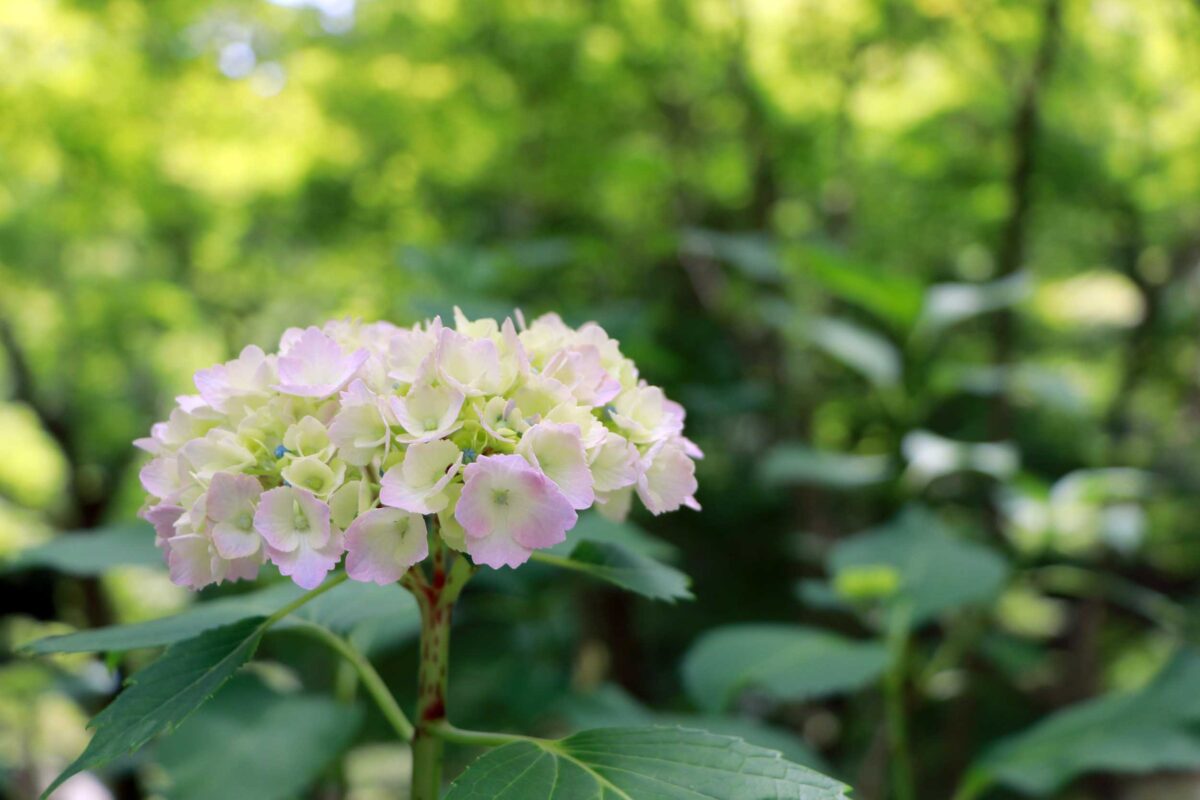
x=280 y=451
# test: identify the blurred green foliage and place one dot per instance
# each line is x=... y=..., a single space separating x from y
x=925 y=268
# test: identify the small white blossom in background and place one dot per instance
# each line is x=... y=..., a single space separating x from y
x=349 y=438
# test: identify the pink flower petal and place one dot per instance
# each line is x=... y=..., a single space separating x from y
x=383 y=543
x=288 y=517
x=315 y=366
x=508 y=509
x=308 y=565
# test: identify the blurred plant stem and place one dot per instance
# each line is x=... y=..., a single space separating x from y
x=973 y=785
x=903 y=786
x=370 y=678
x=435 y=596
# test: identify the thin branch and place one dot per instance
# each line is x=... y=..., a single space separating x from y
x=370 y=677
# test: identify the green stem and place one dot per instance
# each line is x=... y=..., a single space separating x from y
x=555 y=560
x=903 y=787
x=304 y=598
x=436 y=599
x=371 y=680
x=443 y=729
x=973 y=785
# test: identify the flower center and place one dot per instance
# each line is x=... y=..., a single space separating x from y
x=500 y=497
x=245 y=522
x=300 y=522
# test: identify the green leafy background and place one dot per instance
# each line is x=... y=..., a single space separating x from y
x=923 y=272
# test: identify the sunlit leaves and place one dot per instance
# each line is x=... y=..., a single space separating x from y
x=891 y=296
x=947 y=304
x=859 y=348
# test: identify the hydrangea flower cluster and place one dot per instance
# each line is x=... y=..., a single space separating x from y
x=355 y=435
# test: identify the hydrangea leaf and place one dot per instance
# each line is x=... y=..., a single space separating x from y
x=596 y=528
x=1152 y=729
x=165 y=693
x=640 y=764
x=91 y=552
x=269 y=746
x=617 y=564
x=610 y=706
x=937 y=570
x=788 y=662
x=346 y=608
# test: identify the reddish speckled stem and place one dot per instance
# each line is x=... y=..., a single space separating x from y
x=436 y=599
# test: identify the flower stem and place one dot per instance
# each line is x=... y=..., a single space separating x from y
x=903 y=787
x=371 y=680
x=304 y=598
x=436 y=599
x=445 y=730
x=973 y=784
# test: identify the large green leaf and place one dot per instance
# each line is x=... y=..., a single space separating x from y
x=91 y=552
x=859 y=348
x=890 y=295
x=611 y=706
x=640 y=764
x=163 y=694
x=595 y=527
x=265 y=745
x=1152 y=729
x=788 y=662
x=949 y=303
x=344 y=608
x=621 y=566
x=793 y=463
x=937 y=571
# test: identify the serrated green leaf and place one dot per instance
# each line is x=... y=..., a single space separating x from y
x=618 y=565
x=91 y=552
x=640 y=764
x=594 y=527
x=610 y=706
x=938 y=571
x=785 y=661
x=1152 y=729
x=343 y=609
x=268 y=746
x=165 y=693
